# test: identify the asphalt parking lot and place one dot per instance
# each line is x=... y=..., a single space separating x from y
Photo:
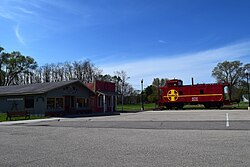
x=153 y=138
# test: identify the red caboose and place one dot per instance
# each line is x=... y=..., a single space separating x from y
x=175 y=95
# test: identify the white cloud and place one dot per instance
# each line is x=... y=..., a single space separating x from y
x=198 y=65
x=46 y=17
x=25 y=11
x=19 y=37
x=161 y=41
x=6 y=15
x=12 y=11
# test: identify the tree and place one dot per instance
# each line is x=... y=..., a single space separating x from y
x=152 y=91
x=148 y=93
x=1 y=62
x=122 y=78
x=68 y=71
x=243 y=85
x=123 y=87
x=106 y=78
x=15 y=64
x=229 y=72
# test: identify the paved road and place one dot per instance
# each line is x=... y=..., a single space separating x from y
x=170 y=138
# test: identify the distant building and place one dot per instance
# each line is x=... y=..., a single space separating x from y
x=54 y=98
x=105 y=98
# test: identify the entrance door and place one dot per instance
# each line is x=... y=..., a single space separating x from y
x=72 y=102
x=69 y=104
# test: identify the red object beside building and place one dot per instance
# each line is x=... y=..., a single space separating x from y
x=105 y=96
x=175 y=94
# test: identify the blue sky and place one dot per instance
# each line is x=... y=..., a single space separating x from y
x=145 y=38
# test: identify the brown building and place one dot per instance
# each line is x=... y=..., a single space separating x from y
x=105 y=98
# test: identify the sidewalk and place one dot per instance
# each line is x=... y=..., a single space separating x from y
x=58 y=118
x=30 y=121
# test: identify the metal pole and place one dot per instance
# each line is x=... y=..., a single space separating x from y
x=158 y=93
x=142 y=106
x=122 y=94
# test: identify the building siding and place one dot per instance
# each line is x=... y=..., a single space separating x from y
x=36 y=104
x=9 y=103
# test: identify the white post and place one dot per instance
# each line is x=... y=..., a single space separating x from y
x=115 y=103
x=104 y=104
x=227 y=120
x=112 y=104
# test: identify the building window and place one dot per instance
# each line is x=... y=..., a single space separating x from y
x=100 y=101
x=29 y=102
x=82 y=102
x=50 y=103
x=59 y=103
x=55 y=103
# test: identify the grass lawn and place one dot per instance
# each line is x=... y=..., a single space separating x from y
x=241 y=105
x=3 y=118
x=152 y=106
x=135 y=107
x=233 y=106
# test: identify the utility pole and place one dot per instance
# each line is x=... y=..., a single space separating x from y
x=142 y=105
x=122 y=93
x=247 y=74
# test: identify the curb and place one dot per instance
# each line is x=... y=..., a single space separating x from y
x=57 y=118
x=28 y=121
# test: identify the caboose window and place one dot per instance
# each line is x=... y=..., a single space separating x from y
x=201 y=91
x=160 y=92
x=180 y=93
x=179 y=83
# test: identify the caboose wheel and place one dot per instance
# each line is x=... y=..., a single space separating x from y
x=168 y=106
x=180 y=106
x=207 y=105
x=219 y=105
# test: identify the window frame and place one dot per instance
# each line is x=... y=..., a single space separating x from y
x=55 y=104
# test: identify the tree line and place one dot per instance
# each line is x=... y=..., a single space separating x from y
x=17 y=69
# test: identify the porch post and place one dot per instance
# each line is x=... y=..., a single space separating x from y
x=116 y=103
x=112 y=104
x=104 y=103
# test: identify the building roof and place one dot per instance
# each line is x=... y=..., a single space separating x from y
x=103 y=87
x=107 y=93
x=37 y=88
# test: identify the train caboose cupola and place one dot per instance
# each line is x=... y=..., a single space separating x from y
x=174 y=83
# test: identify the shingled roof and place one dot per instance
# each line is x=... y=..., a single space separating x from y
x=37 y=88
